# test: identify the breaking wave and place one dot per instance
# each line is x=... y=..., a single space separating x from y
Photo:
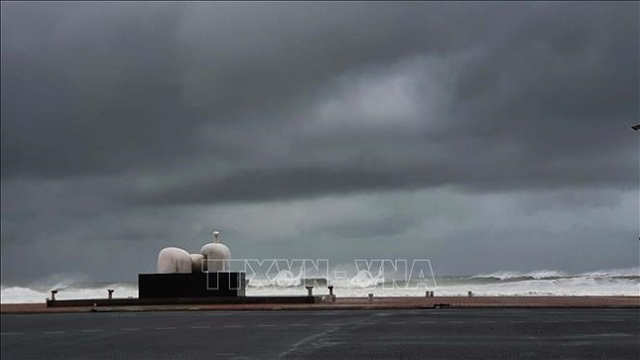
x=515 y=275
x=631 y=273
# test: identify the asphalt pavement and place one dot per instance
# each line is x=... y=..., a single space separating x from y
x=330 y=334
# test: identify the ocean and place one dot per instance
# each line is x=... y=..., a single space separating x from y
x=614 y=282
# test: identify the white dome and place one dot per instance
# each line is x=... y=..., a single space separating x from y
x=217 y=256
x=197 y=263
x=173 y=260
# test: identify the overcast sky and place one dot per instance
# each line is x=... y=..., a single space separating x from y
x=482 y=136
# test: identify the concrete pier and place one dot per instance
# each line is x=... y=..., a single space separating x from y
x=315 y=303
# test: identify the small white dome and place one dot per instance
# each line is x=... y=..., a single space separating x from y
x=217 y=256
x=197 y=263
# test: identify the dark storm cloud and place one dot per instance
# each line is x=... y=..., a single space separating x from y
x=109 y=89
x=83 y=92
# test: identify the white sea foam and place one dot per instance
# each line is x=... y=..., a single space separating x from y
x=630 y=272
x=19 y=294
x=365 y=279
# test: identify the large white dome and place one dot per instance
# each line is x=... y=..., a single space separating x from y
x=173 y=260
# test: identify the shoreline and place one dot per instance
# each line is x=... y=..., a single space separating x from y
x=358 y=303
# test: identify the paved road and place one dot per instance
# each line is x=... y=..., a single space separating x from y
x=392 y=334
